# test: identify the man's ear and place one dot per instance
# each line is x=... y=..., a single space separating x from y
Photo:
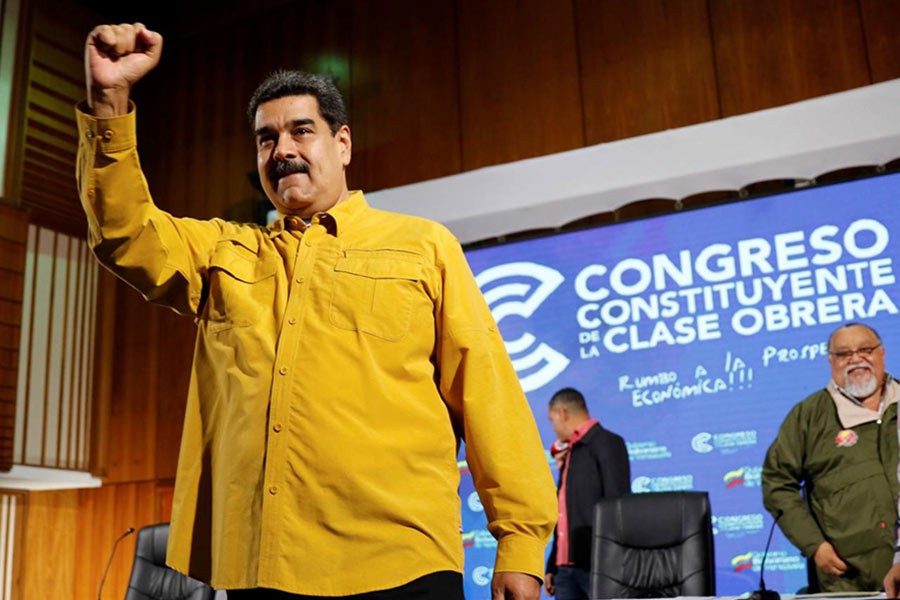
x=346 y=143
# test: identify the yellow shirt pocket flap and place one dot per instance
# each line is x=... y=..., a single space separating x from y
x=241 y=262
x=381 y=265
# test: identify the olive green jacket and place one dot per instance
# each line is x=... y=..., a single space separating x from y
x=849 y=470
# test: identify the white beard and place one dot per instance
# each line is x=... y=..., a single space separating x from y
x=860 y=390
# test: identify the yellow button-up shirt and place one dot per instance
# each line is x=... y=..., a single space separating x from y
x=335 y=369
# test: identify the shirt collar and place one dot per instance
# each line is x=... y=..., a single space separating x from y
x=581 y=431
x=335 y=220
x=851 y=412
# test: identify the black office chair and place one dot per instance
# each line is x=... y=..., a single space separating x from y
x=151 y=579
x=653 y=546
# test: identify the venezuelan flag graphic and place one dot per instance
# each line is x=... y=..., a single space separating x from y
x=742 y=562
x=734 y=478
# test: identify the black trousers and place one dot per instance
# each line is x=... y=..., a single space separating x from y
x=443 y=585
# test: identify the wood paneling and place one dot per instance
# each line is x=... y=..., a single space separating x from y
x=13 y=240
x=881 y=23
x=520 y=93
x=646 y=66
x=405 y=112
x=69 y=534
x=54 y=82
x=51 y=545
x=131 y=429
x=12 y=542
x=774 y=52
x=104 y=514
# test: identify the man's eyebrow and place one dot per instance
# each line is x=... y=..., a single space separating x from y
x=295 y=123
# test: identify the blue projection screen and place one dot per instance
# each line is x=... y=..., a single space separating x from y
x=692 y=335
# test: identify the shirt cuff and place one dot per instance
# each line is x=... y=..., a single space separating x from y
x=111 y=134
x=520 y=554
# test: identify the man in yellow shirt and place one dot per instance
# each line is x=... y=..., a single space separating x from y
x=341 y=354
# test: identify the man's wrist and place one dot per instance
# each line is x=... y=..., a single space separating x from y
x=108 y=103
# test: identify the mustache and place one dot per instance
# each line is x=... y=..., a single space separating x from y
x=865 y=366
x=283 y=168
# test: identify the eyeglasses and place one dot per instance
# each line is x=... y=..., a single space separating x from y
x=863 y=352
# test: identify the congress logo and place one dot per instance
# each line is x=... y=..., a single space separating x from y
x=667 y=483
x=518 y=289
x=737 y=526
x=474 y=502
x=727 y=442
x=482 y=575
x=700 y=443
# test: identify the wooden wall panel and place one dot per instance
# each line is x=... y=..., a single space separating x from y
x=405 y=112
x=13 y=240
x=131 y=427
x=51 y=546
x=13 y=510
x=646 y=66
x=881 y=23
x=104 y=514
x=68 y=536
x=520 y=93
x=64 y=537
x=774 y=52
x=54 y=82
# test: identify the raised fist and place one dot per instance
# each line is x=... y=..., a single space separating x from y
x=115 y=58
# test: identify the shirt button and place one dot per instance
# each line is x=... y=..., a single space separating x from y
x=273 y=489
x=276 y=427
x=89 y=134
x=283 y=370
x=108 y=135
x=308 y=243
x=292 y=321
x=299 y=280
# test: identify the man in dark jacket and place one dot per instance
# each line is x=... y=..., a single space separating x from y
x=593 y=464
x=840 y=444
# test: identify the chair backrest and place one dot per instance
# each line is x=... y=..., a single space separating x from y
x=151 y=579
x=652 y=546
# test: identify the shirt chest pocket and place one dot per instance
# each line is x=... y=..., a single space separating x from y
x=241 y=285
x=374 y=292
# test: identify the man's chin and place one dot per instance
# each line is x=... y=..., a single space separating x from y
x=291 y=204
x=861 y=388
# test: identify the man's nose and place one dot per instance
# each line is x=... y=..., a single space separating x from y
x=285 y=149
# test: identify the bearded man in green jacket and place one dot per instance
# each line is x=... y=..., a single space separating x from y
x=839 y=446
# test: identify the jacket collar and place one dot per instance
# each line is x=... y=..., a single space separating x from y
x=851 y=413
x=582 y=431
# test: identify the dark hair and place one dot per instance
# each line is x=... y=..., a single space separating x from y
x=297 y=83
x=853 y=324
x=571 y=398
